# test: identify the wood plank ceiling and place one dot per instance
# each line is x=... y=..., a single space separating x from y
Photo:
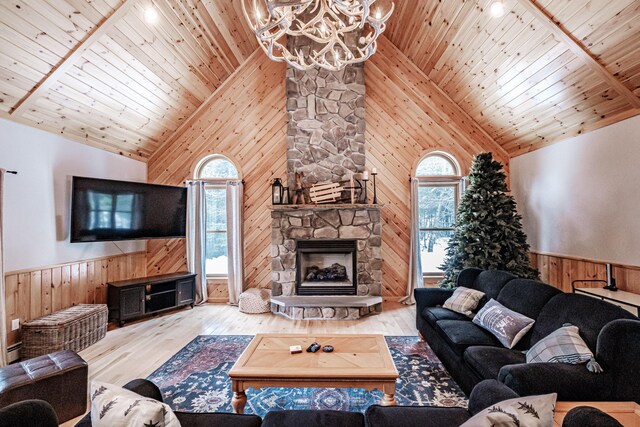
x=518 y=75
x=97 y=72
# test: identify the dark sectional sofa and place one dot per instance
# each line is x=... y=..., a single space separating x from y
x=472 y=354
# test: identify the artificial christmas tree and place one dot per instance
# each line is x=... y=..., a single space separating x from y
x=488 y=232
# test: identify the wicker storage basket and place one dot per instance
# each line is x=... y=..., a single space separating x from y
x=74 y=328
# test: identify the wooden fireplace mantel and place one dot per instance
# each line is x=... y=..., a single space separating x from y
x=326 y=207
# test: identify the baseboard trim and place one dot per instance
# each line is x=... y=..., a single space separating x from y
x=217 y=300
x=14 y=352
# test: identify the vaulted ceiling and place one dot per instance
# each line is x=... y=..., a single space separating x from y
x=97 y=72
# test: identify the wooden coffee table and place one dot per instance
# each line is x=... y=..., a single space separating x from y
x=358 y=361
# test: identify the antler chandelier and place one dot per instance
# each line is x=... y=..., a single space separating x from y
x=341 y=32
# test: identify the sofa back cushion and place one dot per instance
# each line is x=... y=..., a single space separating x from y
x=526 y=297
x=589 y=314
x=490 y=282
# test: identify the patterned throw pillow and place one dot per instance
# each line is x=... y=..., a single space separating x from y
x=113 y=406
x=464 y=301
x=563 y=345
x=530 y=411
x=507 y=325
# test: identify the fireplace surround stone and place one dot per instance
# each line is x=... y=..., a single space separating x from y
x=292 y=223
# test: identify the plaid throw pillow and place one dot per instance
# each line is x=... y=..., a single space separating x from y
x=507 y=325
x=561 y=346
x=464 y=301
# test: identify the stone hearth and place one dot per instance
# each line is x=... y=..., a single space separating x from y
x=291 y=224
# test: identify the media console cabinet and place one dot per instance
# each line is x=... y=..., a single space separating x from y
x=135 y=298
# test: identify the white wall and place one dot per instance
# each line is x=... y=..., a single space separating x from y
x=581 y=197
x=36 y=201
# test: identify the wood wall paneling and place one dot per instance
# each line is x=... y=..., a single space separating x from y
x=34 y=293
x=560 y=271
x=245 y=119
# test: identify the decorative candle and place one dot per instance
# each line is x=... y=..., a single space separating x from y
x=365 y=175
x=374 y=171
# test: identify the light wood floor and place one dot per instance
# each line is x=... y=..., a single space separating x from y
x=137 y=349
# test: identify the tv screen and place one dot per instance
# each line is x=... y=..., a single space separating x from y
x=107 y=210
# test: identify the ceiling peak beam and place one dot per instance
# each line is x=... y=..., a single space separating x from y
x=70 y=59
x=579 y=50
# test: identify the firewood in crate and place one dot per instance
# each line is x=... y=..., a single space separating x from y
x=326 y=193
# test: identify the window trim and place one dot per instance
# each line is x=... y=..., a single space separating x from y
x=215 y=183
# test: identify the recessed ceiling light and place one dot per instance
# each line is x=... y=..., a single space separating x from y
x=151 y=15
x=496 y=9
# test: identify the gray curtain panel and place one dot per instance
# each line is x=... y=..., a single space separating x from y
x=3 y=306
x=415 y=279
x=196 y=237
x=234 y=240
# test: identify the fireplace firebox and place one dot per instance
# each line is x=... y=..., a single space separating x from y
x=326 y=267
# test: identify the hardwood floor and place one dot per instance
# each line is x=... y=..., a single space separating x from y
x=137 y=349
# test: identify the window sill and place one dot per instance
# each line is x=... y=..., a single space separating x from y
x=217 y=277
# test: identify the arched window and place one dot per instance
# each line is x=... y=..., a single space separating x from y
x=440 y=183
x=216 y=170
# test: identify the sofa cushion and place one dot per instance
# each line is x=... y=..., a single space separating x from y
x=313 y=419
x=491 y=283
x=415 y=416
x=507 y=325
x=589 y=314
x=433 y=314
x=460 y=334
x=464 y=301
x=487 y=361
x=526 y=296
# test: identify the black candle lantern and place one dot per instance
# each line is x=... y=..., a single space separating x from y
x=277 y=192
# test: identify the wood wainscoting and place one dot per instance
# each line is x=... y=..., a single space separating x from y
x=34 y=293
x=560 y=271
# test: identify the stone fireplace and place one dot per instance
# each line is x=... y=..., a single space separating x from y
x=306 y=235
x=326 y=259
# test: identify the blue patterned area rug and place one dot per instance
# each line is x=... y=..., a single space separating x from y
x=195 y=380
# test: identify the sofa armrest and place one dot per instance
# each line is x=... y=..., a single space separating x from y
x=29 y=413
x=582 y=416
x=144 y=388
x=571 y=382
x=618 y=352
x=415 y=416
x=487 y=393
x=429 y=297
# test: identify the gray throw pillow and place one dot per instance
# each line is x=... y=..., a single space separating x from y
x=507 y=325
x=564 y=345
x=463 y=300
x=529 y=411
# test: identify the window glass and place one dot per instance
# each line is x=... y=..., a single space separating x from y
x=218 y=167
x=435 y=165
x=437 y=204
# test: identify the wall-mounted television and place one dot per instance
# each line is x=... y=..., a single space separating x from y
x=108 y=210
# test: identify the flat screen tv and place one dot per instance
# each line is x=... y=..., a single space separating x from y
x=108 y=210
